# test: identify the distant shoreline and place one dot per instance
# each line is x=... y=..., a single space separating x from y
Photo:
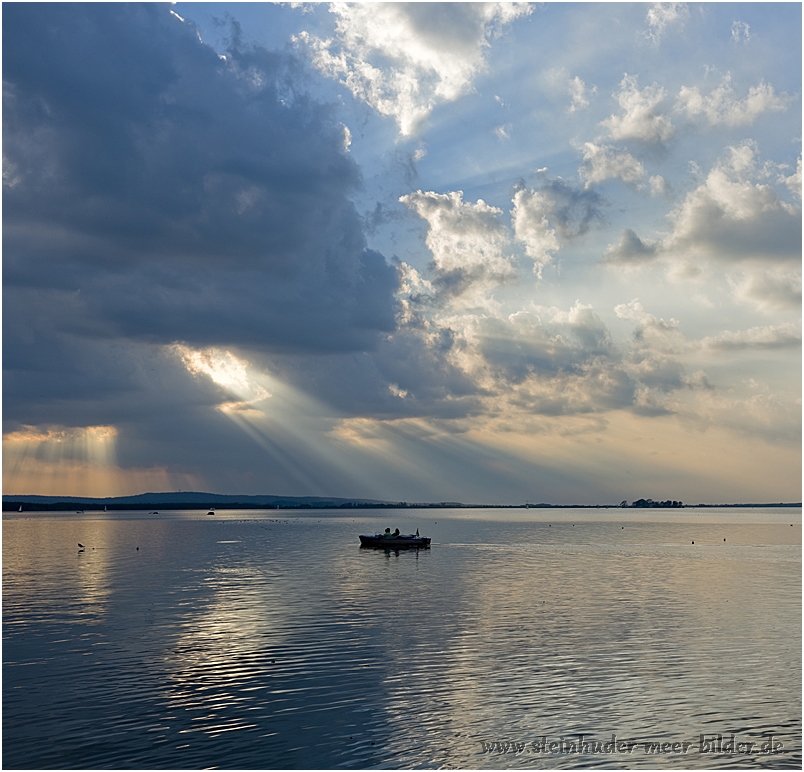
x=208 y=501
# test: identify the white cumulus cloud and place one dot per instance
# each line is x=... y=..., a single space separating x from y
x=602 y=162
x=722 y=108
x=735 y=216
x=642 y=117
x=462 y=235
x=531 y=226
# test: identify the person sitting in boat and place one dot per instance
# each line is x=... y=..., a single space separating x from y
x=396 y=533
x=388 y=533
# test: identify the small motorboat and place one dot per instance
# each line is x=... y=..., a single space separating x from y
x=394 y=542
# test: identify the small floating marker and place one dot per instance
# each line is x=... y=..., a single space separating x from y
x=138 y=549
x=724 y=540
x=693 y=542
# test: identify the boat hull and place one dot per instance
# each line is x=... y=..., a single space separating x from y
x=391 y=543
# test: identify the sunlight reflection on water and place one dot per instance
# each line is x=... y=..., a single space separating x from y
x=257 y=640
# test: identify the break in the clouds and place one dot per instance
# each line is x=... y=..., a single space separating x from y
x=489 y=252
x=403 y=59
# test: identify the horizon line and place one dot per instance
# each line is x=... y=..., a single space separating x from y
x=366 y=502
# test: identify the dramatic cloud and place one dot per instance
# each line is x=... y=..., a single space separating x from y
x=155 y=199
x=403 y=59
x=642 y=117
x=154 y=193
x=472 y=246
x=225 y=268
x=468 y=241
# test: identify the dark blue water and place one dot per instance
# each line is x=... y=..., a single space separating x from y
x=251 y=640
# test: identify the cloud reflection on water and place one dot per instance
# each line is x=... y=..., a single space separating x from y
x=249 y=641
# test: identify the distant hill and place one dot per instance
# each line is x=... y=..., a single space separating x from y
x=183 y=500
x=200 y=500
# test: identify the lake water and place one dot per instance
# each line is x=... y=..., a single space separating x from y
x=269 y=640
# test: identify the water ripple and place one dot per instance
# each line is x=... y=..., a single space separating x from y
x=224 y=644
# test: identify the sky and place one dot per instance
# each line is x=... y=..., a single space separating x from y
x=492 y=253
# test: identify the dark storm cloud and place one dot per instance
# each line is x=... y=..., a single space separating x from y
x=155 y=192
x=174 y=195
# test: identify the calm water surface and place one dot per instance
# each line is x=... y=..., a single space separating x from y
x=257 y=640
